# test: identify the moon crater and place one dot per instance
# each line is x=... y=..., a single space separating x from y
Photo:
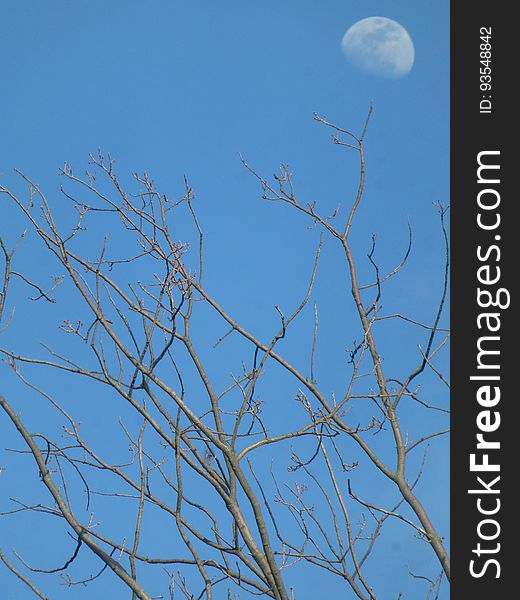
x=379 y=46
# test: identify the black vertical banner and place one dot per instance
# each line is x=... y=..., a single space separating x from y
x=485 y=433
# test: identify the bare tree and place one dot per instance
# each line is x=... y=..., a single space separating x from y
x=201 y=455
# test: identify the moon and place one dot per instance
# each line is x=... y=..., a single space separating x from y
x=379 y=46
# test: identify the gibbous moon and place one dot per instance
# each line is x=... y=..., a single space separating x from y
x=379 y=46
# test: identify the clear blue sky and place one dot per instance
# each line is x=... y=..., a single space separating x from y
x=180 y=88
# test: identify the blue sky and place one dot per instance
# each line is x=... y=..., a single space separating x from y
x=181 y=88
